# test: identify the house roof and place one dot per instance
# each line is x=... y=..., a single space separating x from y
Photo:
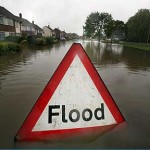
x=57 y=30
x=4 y=12
x=48 y=27
x=37 y=27
x=64 y=32
x=25 y=22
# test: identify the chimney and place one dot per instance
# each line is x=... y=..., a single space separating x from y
x=32 y=22
x=48 y=26
x=20 y=15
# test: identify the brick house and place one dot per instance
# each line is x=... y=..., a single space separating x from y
x=16 y=25
x=9 y=24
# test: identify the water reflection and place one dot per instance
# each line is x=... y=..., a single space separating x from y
x=105 y=54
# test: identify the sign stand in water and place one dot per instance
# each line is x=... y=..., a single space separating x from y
x=74 y=101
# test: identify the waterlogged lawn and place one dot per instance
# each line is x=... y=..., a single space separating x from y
x=143 y=46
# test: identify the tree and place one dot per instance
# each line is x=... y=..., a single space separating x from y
x=118 y=30
x=115 y=26
x=138 y=26
x=96 y=24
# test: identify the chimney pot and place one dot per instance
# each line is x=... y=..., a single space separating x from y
x=20 y=15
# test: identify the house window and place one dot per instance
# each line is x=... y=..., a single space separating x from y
x=17 y=24
x=1 y=20
x=2 y=36
x=10 y=22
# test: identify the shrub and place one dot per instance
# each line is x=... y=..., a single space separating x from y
x=24 y=43
x=39 y=42
x=8 y=47
x=35 y=39
x=15 y=39
x=44 y=41
x=31 y=39
x=50 y=40
x=55 y=41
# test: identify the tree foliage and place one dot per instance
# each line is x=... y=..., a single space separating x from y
x=114 y=26
x=96 y=25
x=138 y=26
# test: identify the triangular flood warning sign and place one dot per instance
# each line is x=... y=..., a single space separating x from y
x=74 y=99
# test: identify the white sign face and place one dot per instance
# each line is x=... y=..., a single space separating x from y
x=76 y=103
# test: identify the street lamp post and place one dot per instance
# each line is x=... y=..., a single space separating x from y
x=83 y=32
x=148 y=36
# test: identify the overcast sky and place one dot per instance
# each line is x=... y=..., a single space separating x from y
x=70 y=15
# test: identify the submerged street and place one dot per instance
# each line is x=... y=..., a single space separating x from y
x=125 y=71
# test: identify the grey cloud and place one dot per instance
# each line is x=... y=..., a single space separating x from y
x=70 y=15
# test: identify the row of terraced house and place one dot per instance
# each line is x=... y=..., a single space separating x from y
x=19 y=26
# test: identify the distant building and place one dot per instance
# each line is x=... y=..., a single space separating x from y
x=38 y=30
x=60 y=35
x=57 y=33
x=47 y=31
x=9 y=24
x=63 y=35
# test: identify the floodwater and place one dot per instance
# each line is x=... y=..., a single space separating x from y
x=125 y=71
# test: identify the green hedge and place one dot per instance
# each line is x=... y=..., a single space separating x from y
x=8 y=47
x=14 y=39
x=50 y=40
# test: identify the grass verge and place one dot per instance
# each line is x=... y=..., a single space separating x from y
x=142 y=46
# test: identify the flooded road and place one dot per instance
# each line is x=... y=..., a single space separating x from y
x=125 y=71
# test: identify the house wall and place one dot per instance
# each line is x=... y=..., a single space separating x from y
x=6 y=25
x=2 y=36
x=6 y=28
x=26 y=30
x=9 y=27
x=33 y=29
x=47 y=32
x=28 y=33
x=17 y=27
